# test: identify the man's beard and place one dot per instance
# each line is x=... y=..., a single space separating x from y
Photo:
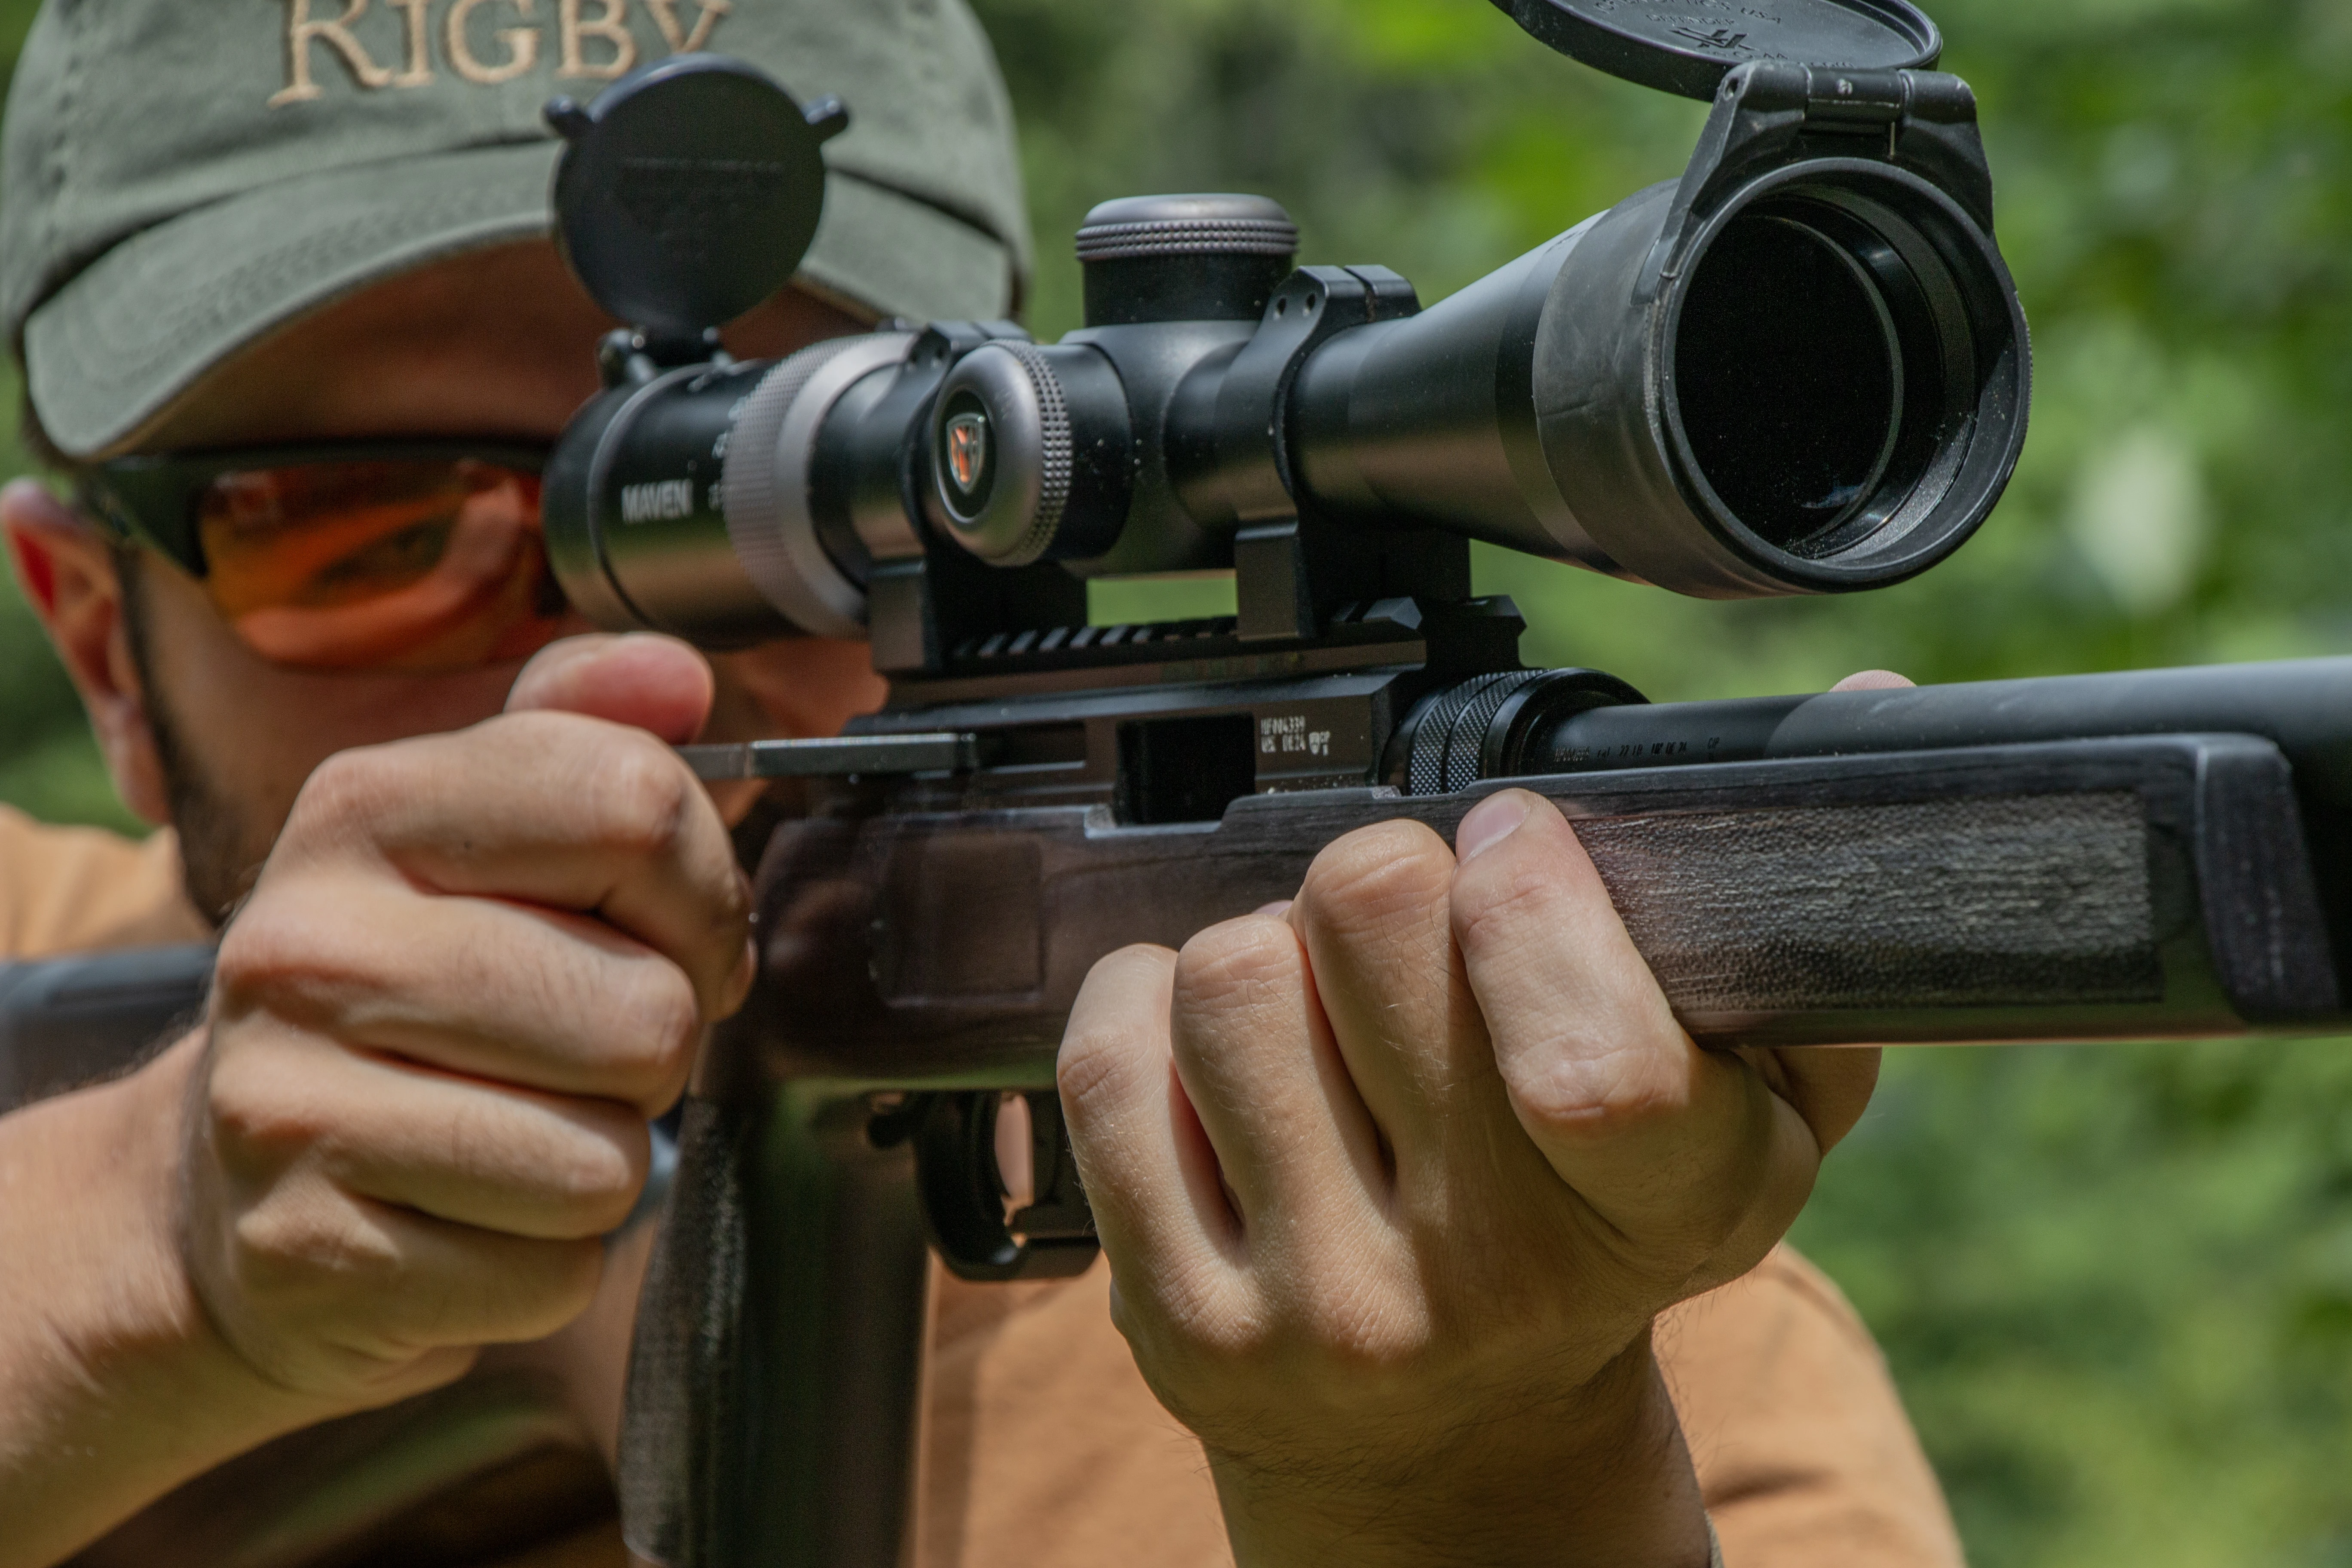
x=218 y=858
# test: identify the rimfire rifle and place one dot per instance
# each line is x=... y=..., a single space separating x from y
x=1802 y=368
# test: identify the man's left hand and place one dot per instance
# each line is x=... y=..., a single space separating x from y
x=1394 y=1180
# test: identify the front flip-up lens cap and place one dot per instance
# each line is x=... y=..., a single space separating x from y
x=1687 y=49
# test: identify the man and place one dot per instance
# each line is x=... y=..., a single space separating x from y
x=1394 y=1180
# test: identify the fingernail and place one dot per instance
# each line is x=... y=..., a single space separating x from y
x=1279 y=908
x=1490 y=822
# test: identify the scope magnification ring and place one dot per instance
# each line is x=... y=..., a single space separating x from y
x=765 y=483
x=1001 y=452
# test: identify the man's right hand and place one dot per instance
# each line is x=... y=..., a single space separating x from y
x=473 y=967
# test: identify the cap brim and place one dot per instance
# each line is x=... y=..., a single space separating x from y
x=108 y=355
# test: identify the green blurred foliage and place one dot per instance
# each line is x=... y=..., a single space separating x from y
x=2115 y=1283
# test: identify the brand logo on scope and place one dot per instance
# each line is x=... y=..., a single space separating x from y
x=967 y=435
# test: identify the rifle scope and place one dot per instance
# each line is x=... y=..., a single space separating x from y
x=1802 y=369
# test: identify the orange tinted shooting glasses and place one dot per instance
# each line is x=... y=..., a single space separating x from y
x=420 y=556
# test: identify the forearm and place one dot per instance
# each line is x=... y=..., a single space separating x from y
x=114 y=1386
x=1617 y=1486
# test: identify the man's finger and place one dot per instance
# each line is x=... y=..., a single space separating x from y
x=505 y=1159
x=392 y=1281
x=1668 y=1143
x=1257 y=1060
x=497 y=990
x=1150 y=1172
x=553 y=809
x=1829 y=1087
x=1372 y=914
x=642 y=680
x=1873 y=680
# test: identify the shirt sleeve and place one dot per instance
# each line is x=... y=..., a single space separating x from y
x=80 y=889
x=1804 y=1454
x=1045 y=1449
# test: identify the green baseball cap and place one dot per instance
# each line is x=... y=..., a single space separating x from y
x=184 y=177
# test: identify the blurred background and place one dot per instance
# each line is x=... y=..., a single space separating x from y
x=2116 y=1284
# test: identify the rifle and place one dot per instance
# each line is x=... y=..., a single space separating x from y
x=1802 y=368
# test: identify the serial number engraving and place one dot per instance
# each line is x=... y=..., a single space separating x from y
x=1288 y=735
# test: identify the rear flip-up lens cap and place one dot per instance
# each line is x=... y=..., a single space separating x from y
x=690 y=190
x=1687 y=47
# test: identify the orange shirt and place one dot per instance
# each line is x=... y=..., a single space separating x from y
x=1045 y=1448
x=78 y=890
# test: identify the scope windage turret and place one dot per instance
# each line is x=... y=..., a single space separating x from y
x=1800 y=368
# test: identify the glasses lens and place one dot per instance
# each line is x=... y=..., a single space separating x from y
x=416 y=564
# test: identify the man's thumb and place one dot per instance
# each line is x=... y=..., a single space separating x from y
x=643 y=679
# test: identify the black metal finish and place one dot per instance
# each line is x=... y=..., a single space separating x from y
x=845 y=756
x=1184 y=258
x=70 y=1021
x=690 y=190
x=1799 y=369
x=1687 y=49
x=1051 y=1238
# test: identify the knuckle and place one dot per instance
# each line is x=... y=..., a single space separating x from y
x=1091 y=1068
x=290 y=1250
x=644 y=793
x=275 y=950
x=1236 y=963
x=1108 y=1032
x=259 y=951
x=348 y=788
x=661 y=1026
x=1583 y=1094
x=250 y=1114
x=597 y=1175
x=1377 y=876
x=1352 y=1316
x=1515 y=898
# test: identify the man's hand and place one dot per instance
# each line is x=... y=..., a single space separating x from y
x=1394 y=1180
x=473 y=967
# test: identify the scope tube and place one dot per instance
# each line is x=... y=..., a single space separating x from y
x=1823 y=388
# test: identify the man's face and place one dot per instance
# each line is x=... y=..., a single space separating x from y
x=498 y=344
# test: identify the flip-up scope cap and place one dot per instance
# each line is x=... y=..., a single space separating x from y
x=690 y=190
x=1688 y=49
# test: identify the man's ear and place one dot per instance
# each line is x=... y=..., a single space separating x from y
x=68 y=577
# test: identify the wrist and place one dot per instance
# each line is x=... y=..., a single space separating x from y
x=114 y=1384
x=1602 y=1476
